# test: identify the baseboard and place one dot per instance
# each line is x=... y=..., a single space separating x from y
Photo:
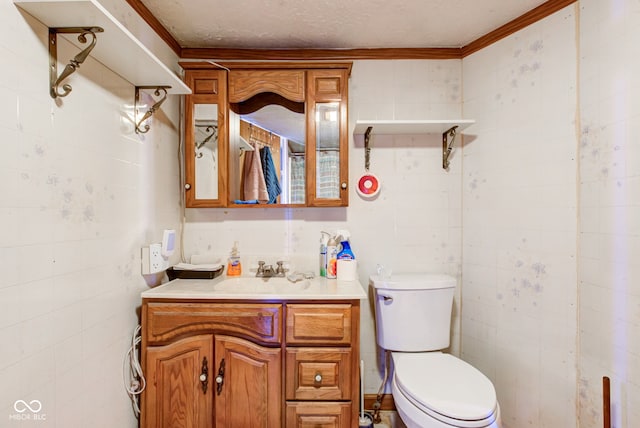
x=386 y=403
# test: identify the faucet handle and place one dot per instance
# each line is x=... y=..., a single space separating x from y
x=260 y=267
x=280 y=269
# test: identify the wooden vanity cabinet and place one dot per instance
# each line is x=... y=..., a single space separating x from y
x=283 y=364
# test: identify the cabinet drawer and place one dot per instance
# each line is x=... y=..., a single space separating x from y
x=319 y=415
x=260 y=322
x=318 y=374
x=318 y=324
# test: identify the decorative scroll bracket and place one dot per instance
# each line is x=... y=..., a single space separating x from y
x=367 y=148
x=74 y=64
x=447 y=145
x=153 y=108
x=211 y=133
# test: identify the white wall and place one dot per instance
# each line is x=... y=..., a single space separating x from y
x=413 y=225
x=81 y=194
x=550 y=301
x=610 y=211
x=519 y=221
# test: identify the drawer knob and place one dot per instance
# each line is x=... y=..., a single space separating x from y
x=318 y=378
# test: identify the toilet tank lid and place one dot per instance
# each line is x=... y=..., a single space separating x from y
x=414 y=281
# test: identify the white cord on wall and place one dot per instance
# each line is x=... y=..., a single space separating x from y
x=183 y=179
x=133 y=378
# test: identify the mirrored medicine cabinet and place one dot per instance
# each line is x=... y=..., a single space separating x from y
x=266 y=135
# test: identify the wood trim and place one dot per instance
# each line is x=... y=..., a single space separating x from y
x=244 y=84
x=232 y=54
x=386 y=404
x=224 y=54
x=286 y=65
x=531 y=17
x=153 y=22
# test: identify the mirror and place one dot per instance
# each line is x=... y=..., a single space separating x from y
x=206 y=150
x=269 y=134
x=327 y=150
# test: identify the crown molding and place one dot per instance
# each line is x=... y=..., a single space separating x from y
x=241 y=54
x=531 y=17
x=319 y=54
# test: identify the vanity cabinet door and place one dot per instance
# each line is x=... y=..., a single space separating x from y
x=251 y=391
x=206 y=147
x=328 y=151
x=174 y=395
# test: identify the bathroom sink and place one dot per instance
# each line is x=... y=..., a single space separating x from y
x=252 y=288
x=260 y=285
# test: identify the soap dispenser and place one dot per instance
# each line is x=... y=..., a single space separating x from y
x=324 y=240
x=234 y=267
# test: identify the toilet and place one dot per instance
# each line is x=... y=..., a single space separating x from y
x=431 y=389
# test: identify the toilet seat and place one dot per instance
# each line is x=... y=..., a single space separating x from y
x=445 y=388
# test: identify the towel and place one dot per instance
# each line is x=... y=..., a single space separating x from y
x=254 y=185
x=270 y=175
x=297 y=179
x=328 y=174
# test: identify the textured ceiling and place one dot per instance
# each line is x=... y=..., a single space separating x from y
x=333 y=24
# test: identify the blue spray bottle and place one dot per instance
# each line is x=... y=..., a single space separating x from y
x=345 y=253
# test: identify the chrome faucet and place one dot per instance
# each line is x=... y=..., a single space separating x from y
x=267 y=271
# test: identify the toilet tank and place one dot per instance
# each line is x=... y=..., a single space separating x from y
x=413 y=311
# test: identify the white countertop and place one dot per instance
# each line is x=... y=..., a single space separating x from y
x=251 y=288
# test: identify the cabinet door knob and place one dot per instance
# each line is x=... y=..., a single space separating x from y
x=343 y=185
x=187 y=186
x=204 y=375
x=318 y=378
x=220 y=377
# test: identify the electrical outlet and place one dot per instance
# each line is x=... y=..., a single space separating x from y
x=152 y=259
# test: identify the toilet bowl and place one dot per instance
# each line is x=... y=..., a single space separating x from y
x=431 y=389
x=437 y=390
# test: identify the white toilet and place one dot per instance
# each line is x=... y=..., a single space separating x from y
x=431 y=389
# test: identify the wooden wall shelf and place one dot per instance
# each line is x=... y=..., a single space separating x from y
x=408 y=127
x=116 y=47
x=448 y=128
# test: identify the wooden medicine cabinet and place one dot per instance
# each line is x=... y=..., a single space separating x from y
x=266 y=134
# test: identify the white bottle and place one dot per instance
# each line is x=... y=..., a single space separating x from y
x=332 y=258
x=324 y=239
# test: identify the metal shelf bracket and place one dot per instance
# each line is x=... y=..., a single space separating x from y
x=447 y=145
x=367 y=148
x=160 y=91
x=74 y=64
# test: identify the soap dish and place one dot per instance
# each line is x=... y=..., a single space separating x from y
x=194 y=274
